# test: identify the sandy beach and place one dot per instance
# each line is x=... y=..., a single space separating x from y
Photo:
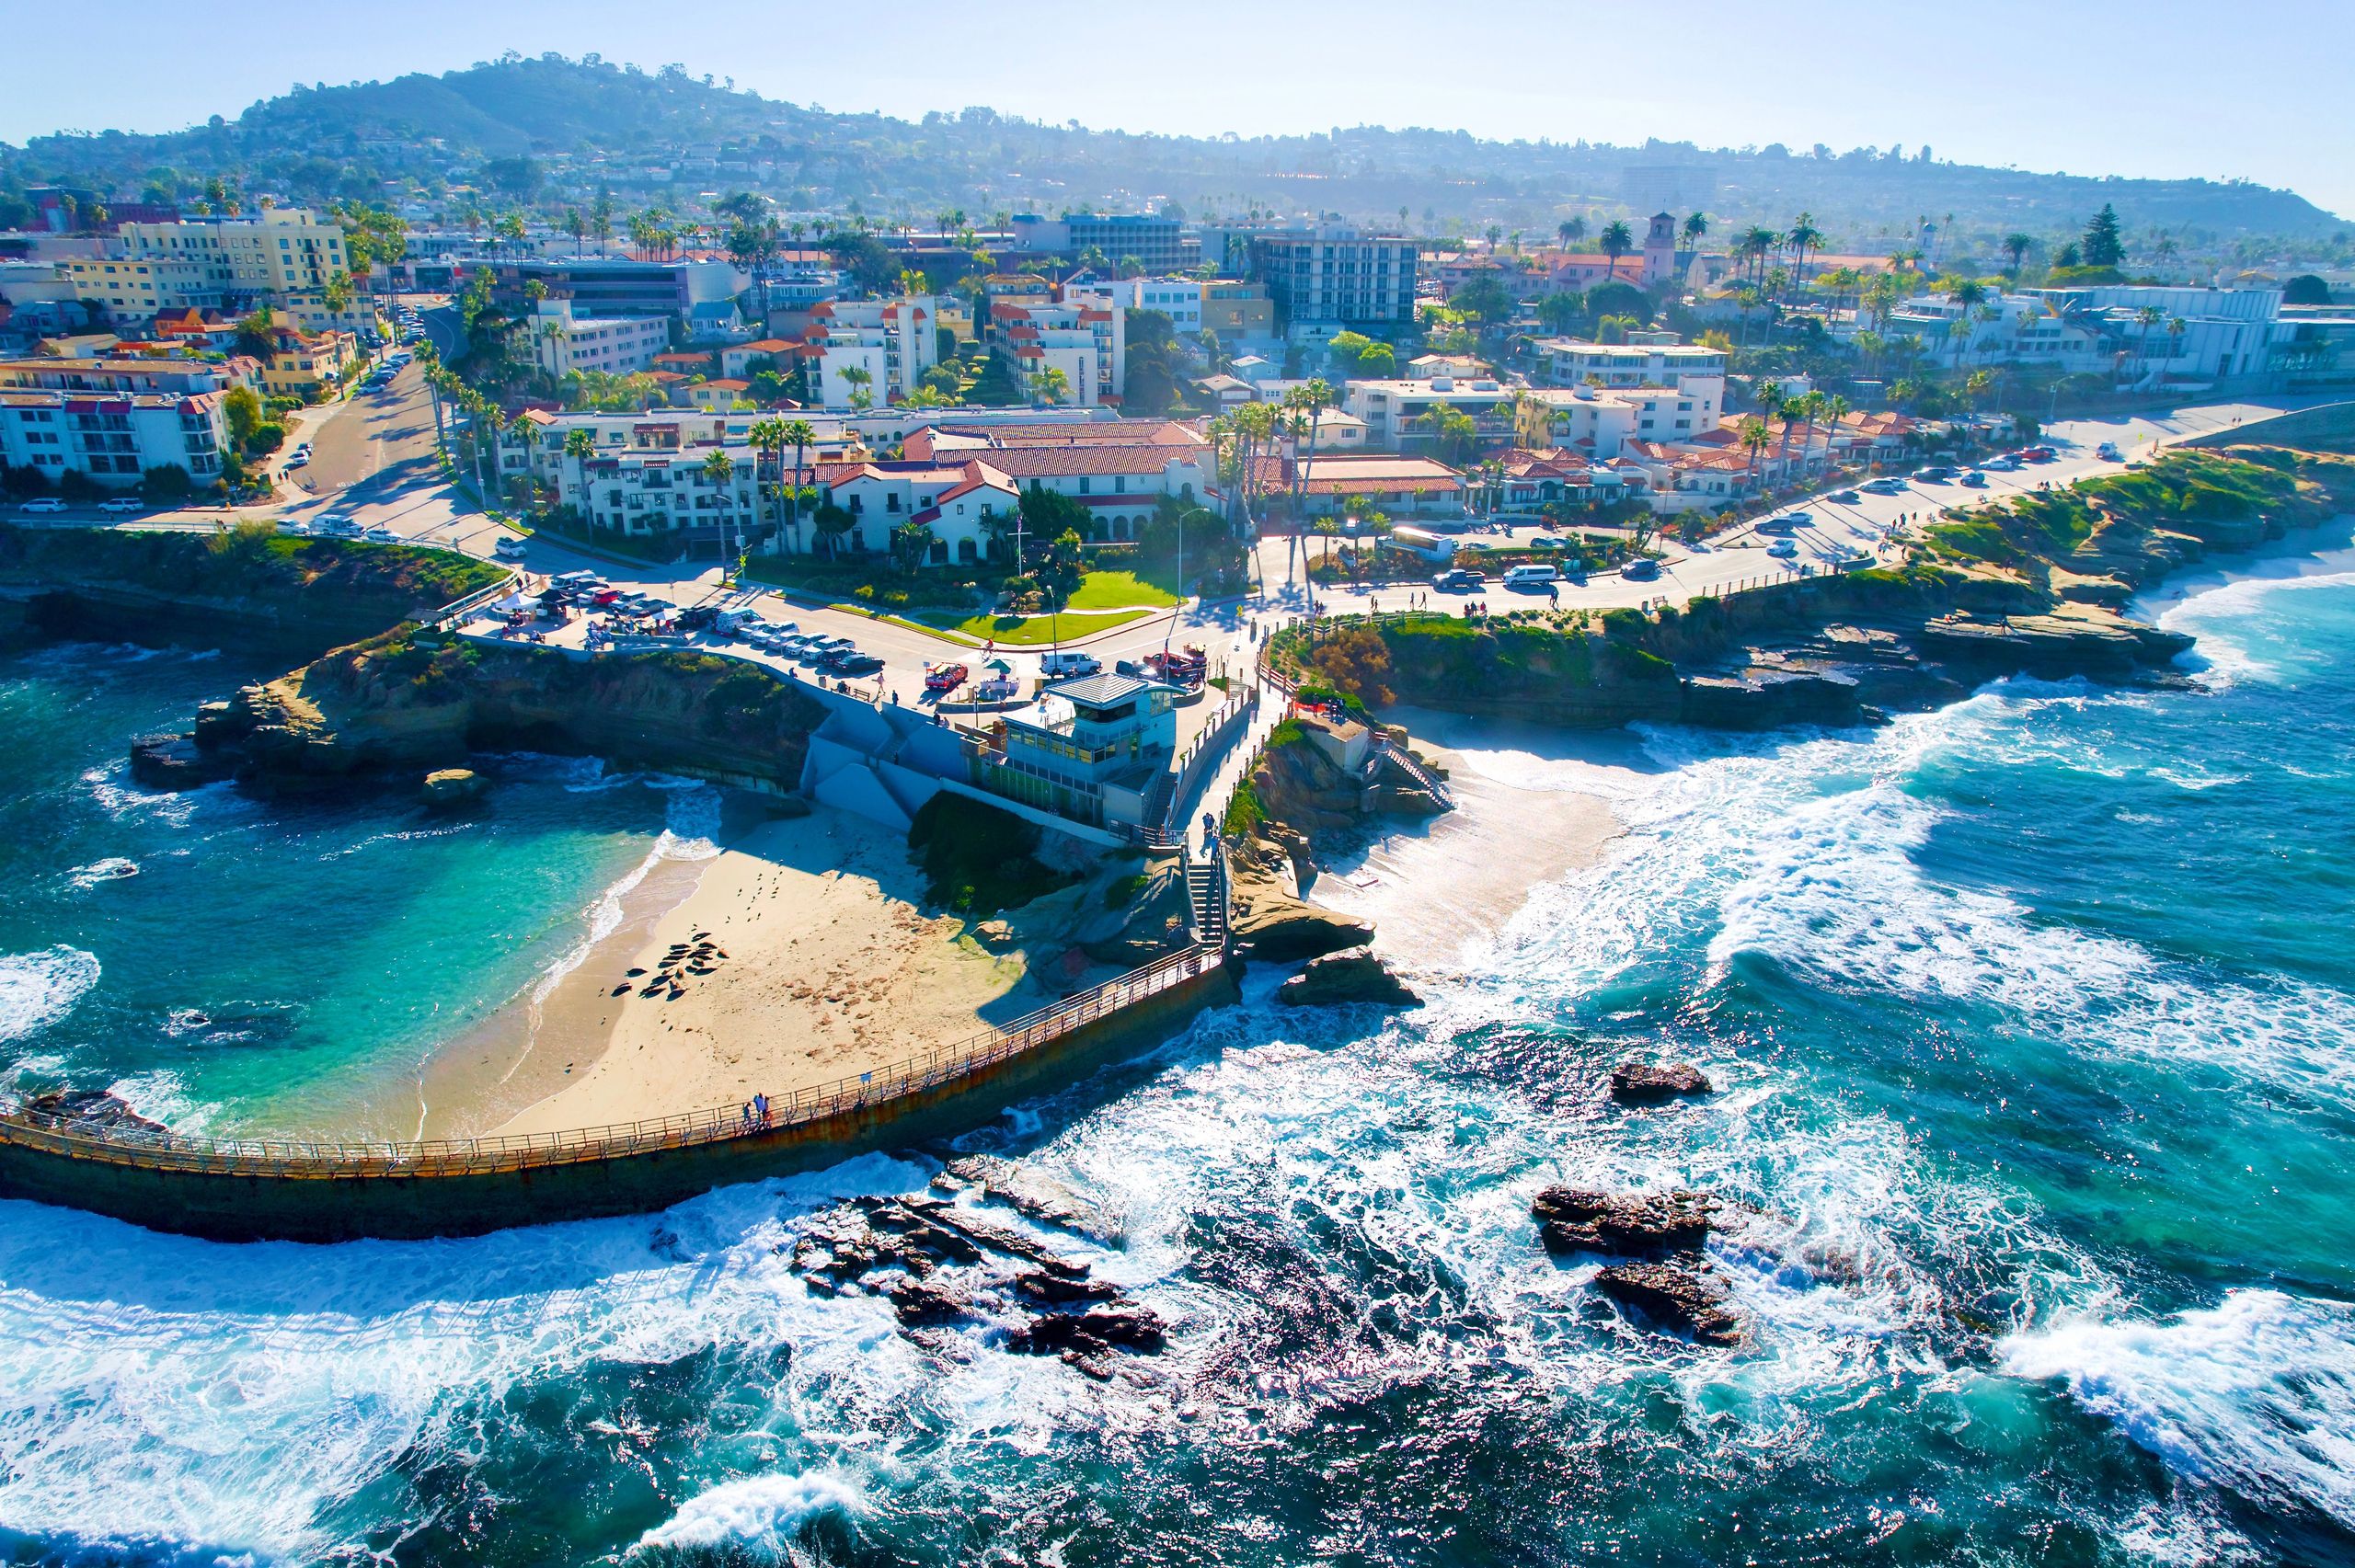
x=1434 y=887
x=800 y=956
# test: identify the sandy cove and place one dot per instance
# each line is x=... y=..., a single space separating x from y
x=816 y=964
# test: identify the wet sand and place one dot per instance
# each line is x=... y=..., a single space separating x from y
x=1435 y=888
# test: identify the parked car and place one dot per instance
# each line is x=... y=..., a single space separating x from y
x=378 y=534
x=299 y=458
x=1458 y=581
x=1643 y=568
x=2107 y=451
x=45 y=504
x=1534 y=577
x=2003 y=463
x=510 y=547
x=946 y=678
x=850 y=661
x=1776 y=525
x=1783 y=549
x=123 y=504
x=817 y=650
x=334 y=525
x=1055 y=666
x=1975 y=479
x=1936 y=472
x=1845 y=497
x=1887 y=486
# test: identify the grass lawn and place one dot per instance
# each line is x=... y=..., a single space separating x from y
x=1031 y=631
x=1111 y=591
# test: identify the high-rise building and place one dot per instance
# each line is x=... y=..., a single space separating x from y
x=1338 y=276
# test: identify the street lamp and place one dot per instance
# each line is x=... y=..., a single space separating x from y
x=1350 y=534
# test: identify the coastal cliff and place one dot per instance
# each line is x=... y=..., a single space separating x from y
x=2033 y=584
x=244 y=588
x=408 y=702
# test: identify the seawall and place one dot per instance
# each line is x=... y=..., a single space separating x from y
x=2323 y=428
x=306 y=1193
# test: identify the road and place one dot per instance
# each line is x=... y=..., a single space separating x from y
x=374 y=463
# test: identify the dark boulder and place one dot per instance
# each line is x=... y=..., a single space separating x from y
x=1648 y=1083
x=1621 y=1224
x=1127 y=1325
x=1339 y=979
x=1674 y=1297
x=920 y=1303
x=1061 y=1291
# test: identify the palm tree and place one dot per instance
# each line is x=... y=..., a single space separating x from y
x=1572 y=231
x=2148 y=317
x=1967 y=294
x=1616 y=240
x=580 y=445
x=799 y=433
x=1696 y=228
x=1054 y=385
x=1753 y=440
x=1836 y=408
x=859 y=379
x=717 y=470
x=1757 y=243
x=2016 y=246
x=1803 y=236
x=768 y=439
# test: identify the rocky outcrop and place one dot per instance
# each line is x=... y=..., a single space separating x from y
x=1622 y=1224
x=175 y=761
x=2077 y=641
x=446 y=787
x=1651 y=1083
x=408 y=701
x=1687 y=1299
x=1337 y=980
x=95 y=1111
x=939 y=1265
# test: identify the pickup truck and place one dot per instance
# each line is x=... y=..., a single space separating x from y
x=946 y=678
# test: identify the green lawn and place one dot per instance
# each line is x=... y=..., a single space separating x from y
x=1113 y=591
x=1029 y=631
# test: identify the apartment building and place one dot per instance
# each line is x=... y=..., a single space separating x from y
x=1338 y=275
x=1575 y=361
x=1179 y=299
x=164 y=376
x=1086 y=341
x=240 y=261
x=871 y=352
x=959 y=501
x=565 y=338
x=1391 y=409
x=613 y=286
x=138 y=289
x=1160 y=244
x=1234 y=309
x=112 y=438
x=306 y=364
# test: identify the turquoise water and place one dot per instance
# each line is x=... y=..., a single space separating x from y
x=235 y=965
x=2034 y=1021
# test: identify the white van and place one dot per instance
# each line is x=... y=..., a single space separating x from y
x=1056 y=665
x=1533 y=577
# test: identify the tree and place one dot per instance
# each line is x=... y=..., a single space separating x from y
x=1154 y=364
x=1054 y=386
x=242 y=410
x=2102 y=246
x=2305 y=289
x=859 y=380
x=1485 y=298
x=1696 y=229
x=2016 y=247
x=1453 y=434
x=1561 y=311
x=1616 y=240
x=911 y=542
x=580 y=445
x=1966 y=294
x=1803 y=237
x=1619 y=299
x=1050 y=514
x=831 y=523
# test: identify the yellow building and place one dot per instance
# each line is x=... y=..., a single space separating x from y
x=306 y=364
x=278 y=251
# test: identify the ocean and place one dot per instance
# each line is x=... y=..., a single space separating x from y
x=2033 y=1027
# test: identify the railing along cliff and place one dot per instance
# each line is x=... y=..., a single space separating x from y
x=299 y=1158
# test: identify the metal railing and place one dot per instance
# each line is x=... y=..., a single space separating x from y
x=320 y=1159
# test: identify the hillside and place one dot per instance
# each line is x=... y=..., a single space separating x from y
x=593 y=124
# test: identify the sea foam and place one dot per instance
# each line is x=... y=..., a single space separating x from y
x=2256 y=1393
x=38 y=989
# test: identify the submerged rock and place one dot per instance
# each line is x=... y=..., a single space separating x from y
x=1622 y=1224
x=1674 y=1297
x=1647 y=1083
x=1352 y=975
x=89 y=1110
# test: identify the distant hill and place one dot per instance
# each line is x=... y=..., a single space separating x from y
x=663 y=136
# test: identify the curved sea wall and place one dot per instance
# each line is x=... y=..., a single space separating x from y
x=2324 y=428
x=307 y=1192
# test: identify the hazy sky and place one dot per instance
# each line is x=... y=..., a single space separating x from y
x=2249 y=90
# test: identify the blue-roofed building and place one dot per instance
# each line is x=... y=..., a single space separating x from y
x=1095 y=749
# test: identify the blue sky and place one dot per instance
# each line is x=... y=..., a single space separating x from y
x=2249 y=90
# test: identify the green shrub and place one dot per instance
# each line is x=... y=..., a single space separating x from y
x=976 y=858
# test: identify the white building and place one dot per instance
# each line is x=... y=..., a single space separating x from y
x=564 y=341
x=889 y=343
x=112 y=437
x=138 y=287
x=1179 y=299
x=1086 y=339
x=1338 y=276
x=1573 y=361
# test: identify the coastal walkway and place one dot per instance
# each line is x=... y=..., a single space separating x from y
x=324 y=1190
